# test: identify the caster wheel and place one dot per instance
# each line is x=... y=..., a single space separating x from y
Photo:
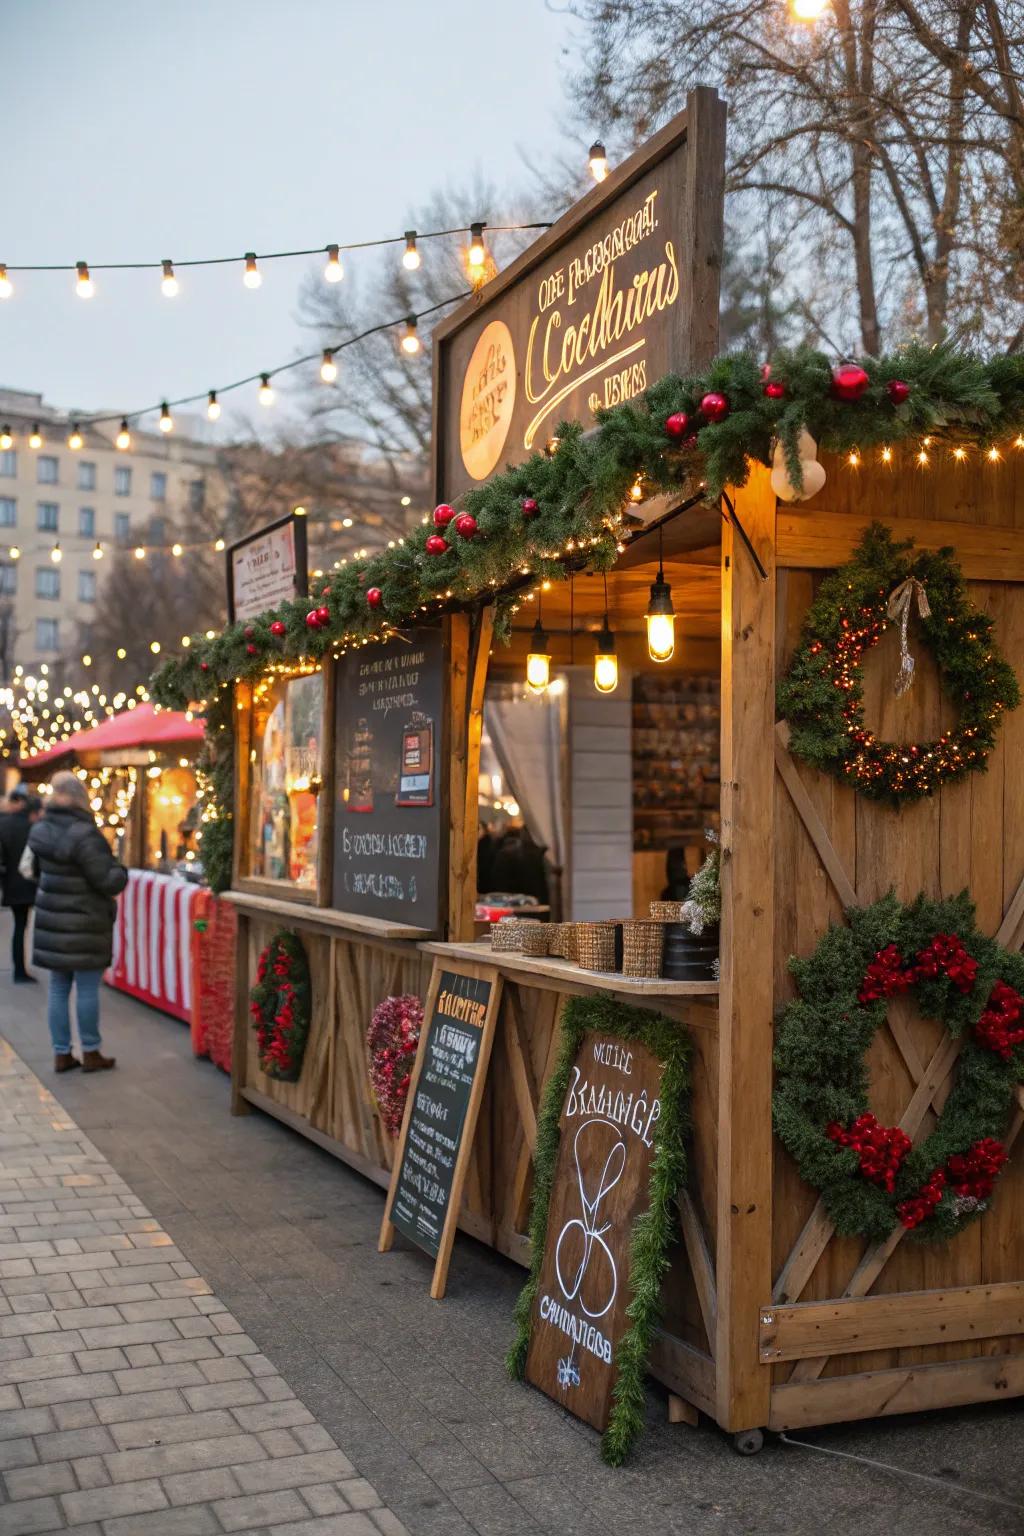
x=748 y=1442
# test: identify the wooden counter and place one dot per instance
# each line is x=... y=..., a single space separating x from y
x=572 y=977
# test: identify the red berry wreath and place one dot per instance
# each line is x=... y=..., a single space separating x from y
x=871 y=1176
x=392 y=1040
x=279 y=1004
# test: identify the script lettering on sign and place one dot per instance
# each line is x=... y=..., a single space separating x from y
x=600 y=1187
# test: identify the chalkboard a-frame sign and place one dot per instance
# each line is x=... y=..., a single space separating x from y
x=441 y=1111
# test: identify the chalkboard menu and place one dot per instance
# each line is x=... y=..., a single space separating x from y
x=440 y=1119
x=388 y=848
x=600 y=1187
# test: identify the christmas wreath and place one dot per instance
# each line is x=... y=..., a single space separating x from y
x=279 y=1004
x=870 y=1175
x=822 y=695
x=392 y=1039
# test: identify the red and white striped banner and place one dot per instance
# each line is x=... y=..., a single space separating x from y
x=153 y=941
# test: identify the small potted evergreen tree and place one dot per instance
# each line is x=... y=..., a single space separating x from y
x=691 y=945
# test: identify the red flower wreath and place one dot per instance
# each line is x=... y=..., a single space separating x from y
x=392 y=1040
x=279 y=1005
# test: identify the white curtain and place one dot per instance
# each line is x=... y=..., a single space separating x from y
x=527 y=732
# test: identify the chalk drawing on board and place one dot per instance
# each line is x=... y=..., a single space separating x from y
x=581 y=1253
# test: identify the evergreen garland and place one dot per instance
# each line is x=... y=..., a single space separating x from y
x=822 y=695
x=822 y=1081
x=654 y=1228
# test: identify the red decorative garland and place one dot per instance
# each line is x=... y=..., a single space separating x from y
x=392 y=1039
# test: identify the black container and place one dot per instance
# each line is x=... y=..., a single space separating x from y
x=689 y=956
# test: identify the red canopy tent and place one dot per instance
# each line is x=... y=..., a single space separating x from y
x=145 y=726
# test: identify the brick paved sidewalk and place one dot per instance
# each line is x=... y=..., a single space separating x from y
x=131 y=1401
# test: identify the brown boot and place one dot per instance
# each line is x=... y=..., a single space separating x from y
x=94 y=1061
x=65 y=1062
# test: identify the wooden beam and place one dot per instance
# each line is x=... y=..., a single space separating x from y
x=702 y=1265
x=744 y=1193
x=905 y=1319
x=684 y=1370
x=823 y=540
x=870 y=1394
x=813 y=823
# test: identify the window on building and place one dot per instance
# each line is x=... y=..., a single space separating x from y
x=158 y=485
x=48 y=517
x=86 y=475
x=47 y=469
x=8 y=512
x=197 y=495
x=8 y=580
x=9 y=463
x=87 y=522
x=122 y=480
x=47 y=635
x=87 y=586
x=47 y=581
x=122 y=527
x=157 y=531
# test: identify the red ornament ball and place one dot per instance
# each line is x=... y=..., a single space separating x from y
x=443 y=515
x=775 y=389
x=898 y=391
x=325 y=591
x=204 y=666
x=435 y=545
x=251 y=649
x=312 y=619
x=465 y=525
x=278 y=628
x=249 y=631
x=714 y=407
x=529 y=507
x=374 y=597
x=676 y=424
x=323 y=616
x=849 y=382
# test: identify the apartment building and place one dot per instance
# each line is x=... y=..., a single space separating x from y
x=61 y=506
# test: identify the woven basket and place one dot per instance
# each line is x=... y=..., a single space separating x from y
x=595 y=946
x=506 y=935
x=643 y=943
x=536 y=938
x=667 y=911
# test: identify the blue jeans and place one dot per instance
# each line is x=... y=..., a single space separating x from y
x=58 y=1013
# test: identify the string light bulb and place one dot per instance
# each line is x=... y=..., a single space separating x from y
x=166 y=419
x=6 y=286
x=84 y=286
x=14 y=552
x=6 y=439
x=97 y=553
x=476 y=252
x=212 y=405
x=252 y=277
x=123 y=440
x=168 y=283
x=177 y=550
x=334 y=271
x=410 y=340
x=993 y=455
x=219 y=545
x=598 y=161
x=56 y=553
x=660 y=615
x=538 y=660
x=328 y=368
x=808 y=10
x=75 y=440
x=606 y=663
x=266 y=391
x=410 y=256
x=154 y=646
x=886 y=455
x=35 y=437
x=140 y=552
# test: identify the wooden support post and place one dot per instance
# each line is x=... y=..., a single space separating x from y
x=743 y=1260
x=470 y=647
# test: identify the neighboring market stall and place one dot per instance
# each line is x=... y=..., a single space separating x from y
x=815 y=664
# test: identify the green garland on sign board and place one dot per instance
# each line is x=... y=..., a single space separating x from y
x=653 y=1230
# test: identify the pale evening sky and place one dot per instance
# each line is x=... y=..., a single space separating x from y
x=208 y=127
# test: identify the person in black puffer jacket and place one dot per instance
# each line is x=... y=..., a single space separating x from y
x=74 y=928
x=18 y=893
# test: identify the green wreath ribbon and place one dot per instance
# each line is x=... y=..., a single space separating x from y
x=822 y=696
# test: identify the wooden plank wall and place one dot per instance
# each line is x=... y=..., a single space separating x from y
x=600 y=798
x=969 y=835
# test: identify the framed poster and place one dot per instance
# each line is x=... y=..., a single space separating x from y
x=267 y=568
x=389 y=852
x=285 y=782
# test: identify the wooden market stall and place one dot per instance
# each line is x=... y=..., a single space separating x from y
x=357 y=820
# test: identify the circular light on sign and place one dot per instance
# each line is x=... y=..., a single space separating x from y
x=488 y=399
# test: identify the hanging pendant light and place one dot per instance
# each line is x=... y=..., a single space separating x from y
x=660 y=615
x=538 y=659
x=606 y=663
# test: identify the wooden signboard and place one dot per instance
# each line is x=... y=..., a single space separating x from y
x=441 y=1113
x=622 y=290
x=267 y=567
x=389 y=847
x=600 y=1188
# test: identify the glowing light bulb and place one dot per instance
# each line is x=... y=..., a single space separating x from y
x=212 y=405
x=219 y=545
x=97 y=553
x=959 y=454
x=853 y=459
x=298 y=511
x=328 y=368
x=538 y=660
x=6 y=286
x=166 y=419
x=5 y=438
x=75 y=440
x=598 y=161
x=476 y=252
x=140 y=553
x=154 y=646
x=606 y=663
x=87 y=660
x=252 y=277
x=346 y=522
x=886 y=455
x=266 y=392
x=168 y=283
x=410 y=340
x=121 y=653
x=809 y=10
x=56 y=553
x=176 y=551
x=14 y=552
x=84 y=286
x=661 y=621
x=410 y=256
x=35 y=437
x=123 y=440
x=334 y=271
x=993 y=455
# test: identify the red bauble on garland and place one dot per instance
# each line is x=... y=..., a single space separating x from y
x=374 y=597
x=676 y=424
x=435 y=545
x=323 y=617
x=251 y=649
x=465 y=525
x=528 y=507
x=849 y=382
x=898 y=391
x=278 y=628
x=775 y=389
x=204 y=666
x=249 y=631
x=443 y=515
x=392 y=1039
x=313 y=619
x=714 y=406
